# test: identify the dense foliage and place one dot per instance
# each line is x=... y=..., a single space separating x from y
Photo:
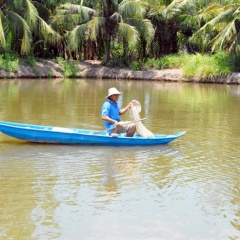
x=118 y=32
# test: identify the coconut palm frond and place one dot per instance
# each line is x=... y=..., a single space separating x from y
x=57 y=20
x=17 y=6
x=215 y=23
x=144 y=27
x=225 y=16
x=237 y=13
x=173 y=7
x=47 y=32
x=199 y=35
x=31 y=14
x=68 y=8
x=210 y=12
x=225 y=37
x=2 y=34
x=235 y=47
x=201 y=38
x=93 y=28
x=66 y=22
x=155 y=8
x=22 y=29
x=78 y=35
x=69 y=15
x=147 y=30
x=188 y=21
x=129 y=33
x=222 y=28
x=61 y=12
x=129 y=9
x=173 y=4
x=116 y=17
x=84 y=12
x=26 y=42
x=43 y=12
x=94 y=25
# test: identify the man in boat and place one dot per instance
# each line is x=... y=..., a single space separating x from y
x=111 y=115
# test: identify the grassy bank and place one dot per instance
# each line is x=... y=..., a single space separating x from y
x=197 y=65
x=193 y=66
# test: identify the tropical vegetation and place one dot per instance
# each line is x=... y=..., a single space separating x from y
x=123 y=32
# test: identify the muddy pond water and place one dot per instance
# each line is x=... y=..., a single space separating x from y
x=188 y=189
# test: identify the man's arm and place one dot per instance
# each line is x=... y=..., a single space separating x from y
x=108 y=119
x=124 y=110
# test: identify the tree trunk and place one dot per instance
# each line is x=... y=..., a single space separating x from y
x=107 y=50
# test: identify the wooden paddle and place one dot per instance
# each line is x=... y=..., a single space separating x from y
x=122 y=125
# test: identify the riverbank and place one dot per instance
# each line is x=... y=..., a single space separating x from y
x=93 y=69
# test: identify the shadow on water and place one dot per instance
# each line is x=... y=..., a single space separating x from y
x=21 y=149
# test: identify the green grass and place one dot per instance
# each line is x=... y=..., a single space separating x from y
x=168 y=61
x=195 y=65
x=9 y=63
x=30 y=61
x=207 y=66
x=69 y=67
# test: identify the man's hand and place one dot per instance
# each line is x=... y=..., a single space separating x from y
x=132 y=103
x=117 y=124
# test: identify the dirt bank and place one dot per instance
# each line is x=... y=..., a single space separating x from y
x=52 y=69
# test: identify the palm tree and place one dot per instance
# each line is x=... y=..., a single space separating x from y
x=175 y=22
x=222 y=28
x=20 y=22
x=108 y=21
x=137 y=20
x=2 y=35
x=66 y=17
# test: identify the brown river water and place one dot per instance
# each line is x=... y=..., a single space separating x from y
x=188 y=189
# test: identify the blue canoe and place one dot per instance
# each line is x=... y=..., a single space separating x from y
x=59 y=135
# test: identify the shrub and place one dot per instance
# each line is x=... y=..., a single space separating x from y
x=9 y=62
x=203 y=66
x=30 y=61
x=207 y=66
x=69 y=68
x=168 y=61
x=135 y=65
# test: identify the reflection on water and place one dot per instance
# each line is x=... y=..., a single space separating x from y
x=188 y=189
x=42 y=181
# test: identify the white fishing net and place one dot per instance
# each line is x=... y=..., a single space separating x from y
x=142 y=130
